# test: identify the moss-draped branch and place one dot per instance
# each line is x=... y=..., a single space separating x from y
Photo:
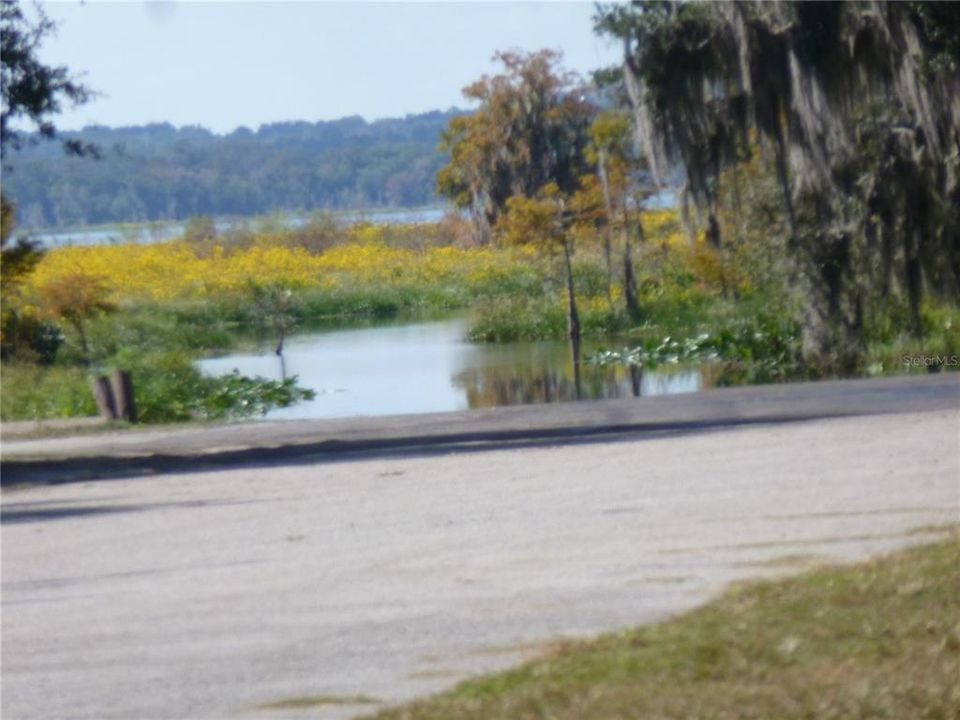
x=857 y=104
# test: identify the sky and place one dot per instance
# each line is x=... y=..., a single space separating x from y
x=228 y=64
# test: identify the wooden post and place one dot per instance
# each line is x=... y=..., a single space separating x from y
x=103 y=394
x=122 y=388
x=636 y=380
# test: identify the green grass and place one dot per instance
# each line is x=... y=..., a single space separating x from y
x=168 y=388
x=32 y=392
x=892 y=351
x=875 y=640
x=312 y=701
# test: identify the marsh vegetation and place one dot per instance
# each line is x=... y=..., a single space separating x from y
x=804 y=245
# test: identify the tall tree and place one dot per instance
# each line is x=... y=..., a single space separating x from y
x=530 y=129
x=545 y=220
x=857 y=104
x=32 y=91
x=517 y=161
x=613 y=152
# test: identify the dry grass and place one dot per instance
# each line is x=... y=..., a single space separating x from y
x=313 y=701
x=875 y=640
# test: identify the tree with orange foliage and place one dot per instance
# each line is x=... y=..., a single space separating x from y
x=75 y=299
x=530 y=130
x=546 y=220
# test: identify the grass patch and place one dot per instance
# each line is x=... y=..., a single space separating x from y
x=168 y=388
x=878 y=639
x=34 y=391
x=310 y=701
x=795 y=561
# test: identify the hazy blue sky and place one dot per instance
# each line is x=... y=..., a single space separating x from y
x=225 y=64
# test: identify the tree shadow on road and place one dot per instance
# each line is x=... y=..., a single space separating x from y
x=26 y=473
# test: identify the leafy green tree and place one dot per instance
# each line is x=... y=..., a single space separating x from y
x=530 y=130
x=21 y=334
x=856 y=106
x=17 y=260
x=31 y=90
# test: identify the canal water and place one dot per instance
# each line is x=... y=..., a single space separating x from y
x=418 y=367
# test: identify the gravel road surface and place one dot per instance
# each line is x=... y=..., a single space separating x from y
x=208 y=594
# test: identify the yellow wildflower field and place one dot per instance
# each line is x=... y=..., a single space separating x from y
x=179 y=270
x=175 y=270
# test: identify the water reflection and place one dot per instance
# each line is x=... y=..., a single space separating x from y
x=428 y=367
x=518 y=385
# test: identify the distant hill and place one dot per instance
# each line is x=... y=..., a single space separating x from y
x=159 y=172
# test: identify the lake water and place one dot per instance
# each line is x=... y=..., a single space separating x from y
x=167 y=230
x=419 y=367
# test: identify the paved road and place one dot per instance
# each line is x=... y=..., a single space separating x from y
x=148 y=451
x=205 y=594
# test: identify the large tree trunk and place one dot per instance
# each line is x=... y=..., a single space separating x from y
x=832 y=337
x=914 y=283
x=573 y=318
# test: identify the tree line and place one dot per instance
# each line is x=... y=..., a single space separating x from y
x=159 y=172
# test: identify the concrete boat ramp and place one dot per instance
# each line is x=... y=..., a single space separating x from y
x=221 y=572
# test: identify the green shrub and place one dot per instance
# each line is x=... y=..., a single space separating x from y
x=891 y=351
x=146 y=329
x=168 y=388
x=506 y=319
x=27 y=339
x=589 y=279
x=33 y=392
x=765 y=349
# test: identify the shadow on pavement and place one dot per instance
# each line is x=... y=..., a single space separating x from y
x=27 y=512
x=80 y=469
